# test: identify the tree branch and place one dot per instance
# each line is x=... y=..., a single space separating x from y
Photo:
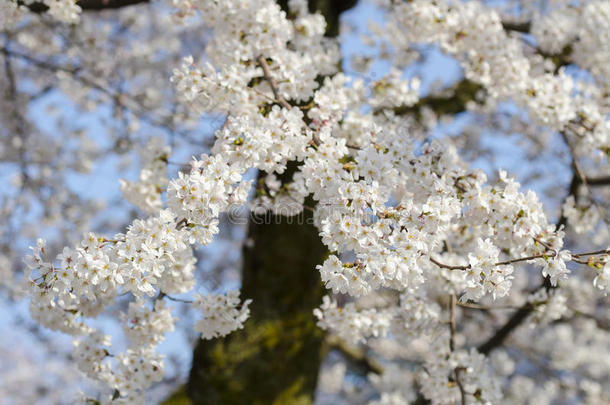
x=272 y=83
x=355 y=355
x=501 y=334
x=458 y=370
x=463 y=92
x=596 y=181
x=517 y=26
x=122 y=99
x=90 y=5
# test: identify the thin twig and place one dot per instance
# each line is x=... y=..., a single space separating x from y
x=546 y=254
x=452 y=329
x=452 y=303
x=272 y=83
x=178 y=299
x=484 y=307
x=122 y=99
x=597 y=252
x=448 y=267
x=503 y=263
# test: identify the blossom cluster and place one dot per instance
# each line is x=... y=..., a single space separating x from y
x=403 y=216
x=493 y=58
x=221 y=314
x=581 y=218
x=152 y=181
x=153 y=258
x=475 y=376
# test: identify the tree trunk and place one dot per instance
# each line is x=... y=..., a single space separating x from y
x=275 y=359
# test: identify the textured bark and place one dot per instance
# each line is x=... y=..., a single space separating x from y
x=276 y=357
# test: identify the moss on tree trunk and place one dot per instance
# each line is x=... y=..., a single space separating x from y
x=276 y=357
